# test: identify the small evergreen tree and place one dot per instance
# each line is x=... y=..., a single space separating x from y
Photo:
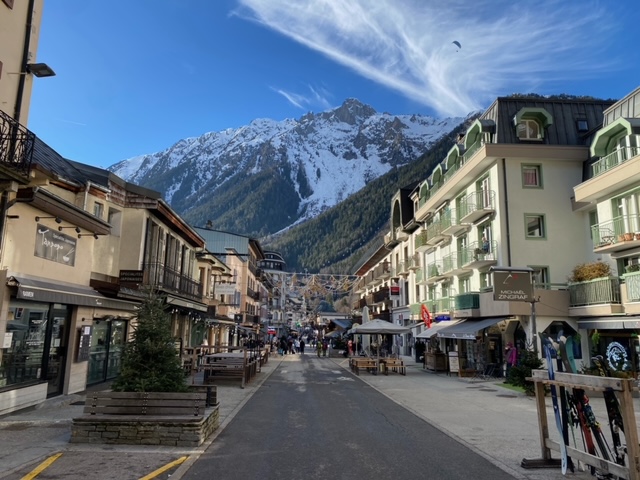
x=150 y=362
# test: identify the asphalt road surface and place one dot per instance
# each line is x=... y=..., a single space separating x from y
x=313 y=420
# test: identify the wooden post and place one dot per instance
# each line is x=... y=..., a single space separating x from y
x=543 y=426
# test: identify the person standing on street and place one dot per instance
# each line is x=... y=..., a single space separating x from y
x=301 y=347
x=318 y=347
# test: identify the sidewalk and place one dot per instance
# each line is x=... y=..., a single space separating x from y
x=495 y=422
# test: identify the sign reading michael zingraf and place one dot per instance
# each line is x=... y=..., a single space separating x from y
x=55 y=246
x=511 y=285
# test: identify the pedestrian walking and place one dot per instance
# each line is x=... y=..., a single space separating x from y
x=319 y=348
x=325 y=346
x=301 y=347
x=296 y=345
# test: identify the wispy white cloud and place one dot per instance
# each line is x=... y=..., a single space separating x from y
x=316 y=97
x=407 y=46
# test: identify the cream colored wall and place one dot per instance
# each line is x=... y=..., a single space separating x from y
x=75 y=375
x=12 y=30
x=17 y=253
x=565 y=245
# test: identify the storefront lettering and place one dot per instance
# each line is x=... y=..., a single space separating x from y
x=512 y=295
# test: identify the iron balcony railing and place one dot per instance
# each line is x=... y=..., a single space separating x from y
x=601 y=291
x=16 y=145
x=614 y=159
x=467 y=301
x=440 y=305
x=632 y=280
x=480 y=200
x=618 y=229
x=160 y=276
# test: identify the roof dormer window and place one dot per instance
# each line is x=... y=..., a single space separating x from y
x=528 y=130
x=531 y=122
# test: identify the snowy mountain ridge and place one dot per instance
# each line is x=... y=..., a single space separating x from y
x=268 y=175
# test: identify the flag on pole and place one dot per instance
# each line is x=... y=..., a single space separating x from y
x=426 y=316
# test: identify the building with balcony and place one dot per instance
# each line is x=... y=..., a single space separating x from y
x=274 y=275
x=81 y=248
x=608 y=200
x=241 y=299
x=500 y=198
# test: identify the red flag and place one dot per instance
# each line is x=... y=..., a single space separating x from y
x=426 y=316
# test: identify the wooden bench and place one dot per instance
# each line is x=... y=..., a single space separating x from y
x=229 y=366
x=370 y=364
x=395 y=365
x=145 y=403
x=149 y=418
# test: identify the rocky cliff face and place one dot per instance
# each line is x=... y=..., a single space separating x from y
x=269 y=175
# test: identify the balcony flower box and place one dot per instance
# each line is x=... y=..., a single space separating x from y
x=625 y=237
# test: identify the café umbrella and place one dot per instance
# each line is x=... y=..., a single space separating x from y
x=380 y=327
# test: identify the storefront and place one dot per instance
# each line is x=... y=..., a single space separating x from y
x=108 y=339
x=476 y=344
x=42 y=339
x=617 y=340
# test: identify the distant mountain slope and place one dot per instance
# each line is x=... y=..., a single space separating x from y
x=335 y=241
x=268 y=176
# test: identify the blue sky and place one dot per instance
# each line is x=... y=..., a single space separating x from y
x=135 y=76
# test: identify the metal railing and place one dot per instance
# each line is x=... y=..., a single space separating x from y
x=618 y=229
x=467 y=301
x=601 y=291
x=16 y=145
x=632 y=281
x=160 y=276
x=614 y=159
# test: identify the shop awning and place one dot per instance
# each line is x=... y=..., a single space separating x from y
x=41 y=290
x=436 y=327
x=333 y=334
x=344 y=324
x=181 y=302
x=628 y=322
x=467 y=330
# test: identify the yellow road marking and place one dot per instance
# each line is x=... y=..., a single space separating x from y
x=157 y=472
x=38 y=470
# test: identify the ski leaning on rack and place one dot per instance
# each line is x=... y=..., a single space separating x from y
x=613 y=411
x=590 y=427
x=554 y=397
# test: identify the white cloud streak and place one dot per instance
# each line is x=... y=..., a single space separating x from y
x=406 y=45
x=317 y=97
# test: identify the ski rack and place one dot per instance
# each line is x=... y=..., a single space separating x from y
x=624 y=393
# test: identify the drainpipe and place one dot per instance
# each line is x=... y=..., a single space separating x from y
x=25 y=60
x=506 y=211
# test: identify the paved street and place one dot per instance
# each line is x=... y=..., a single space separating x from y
x=312 y=411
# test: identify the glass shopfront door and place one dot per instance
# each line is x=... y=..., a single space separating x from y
x=108 y=339
x=56 y=346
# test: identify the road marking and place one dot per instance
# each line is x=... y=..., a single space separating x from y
x=40 y=468
x=168 y=466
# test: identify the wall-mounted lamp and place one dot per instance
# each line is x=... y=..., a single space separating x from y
x=76 y=228
x=58 y=219
x=94 y=235
x=40 y=70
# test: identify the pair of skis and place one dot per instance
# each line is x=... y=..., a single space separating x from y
x=580 y=410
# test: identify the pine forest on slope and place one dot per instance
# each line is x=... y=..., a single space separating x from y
x=335 y=241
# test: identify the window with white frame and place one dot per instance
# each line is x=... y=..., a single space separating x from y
x=528 y=130
x=486 y=281
x=531 y=176
x=540 y=275
x=98 y=209
x=464 y=284
x=535 y=226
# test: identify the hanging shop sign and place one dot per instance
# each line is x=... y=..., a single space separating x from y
x=55 y=246
x=512 y=285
